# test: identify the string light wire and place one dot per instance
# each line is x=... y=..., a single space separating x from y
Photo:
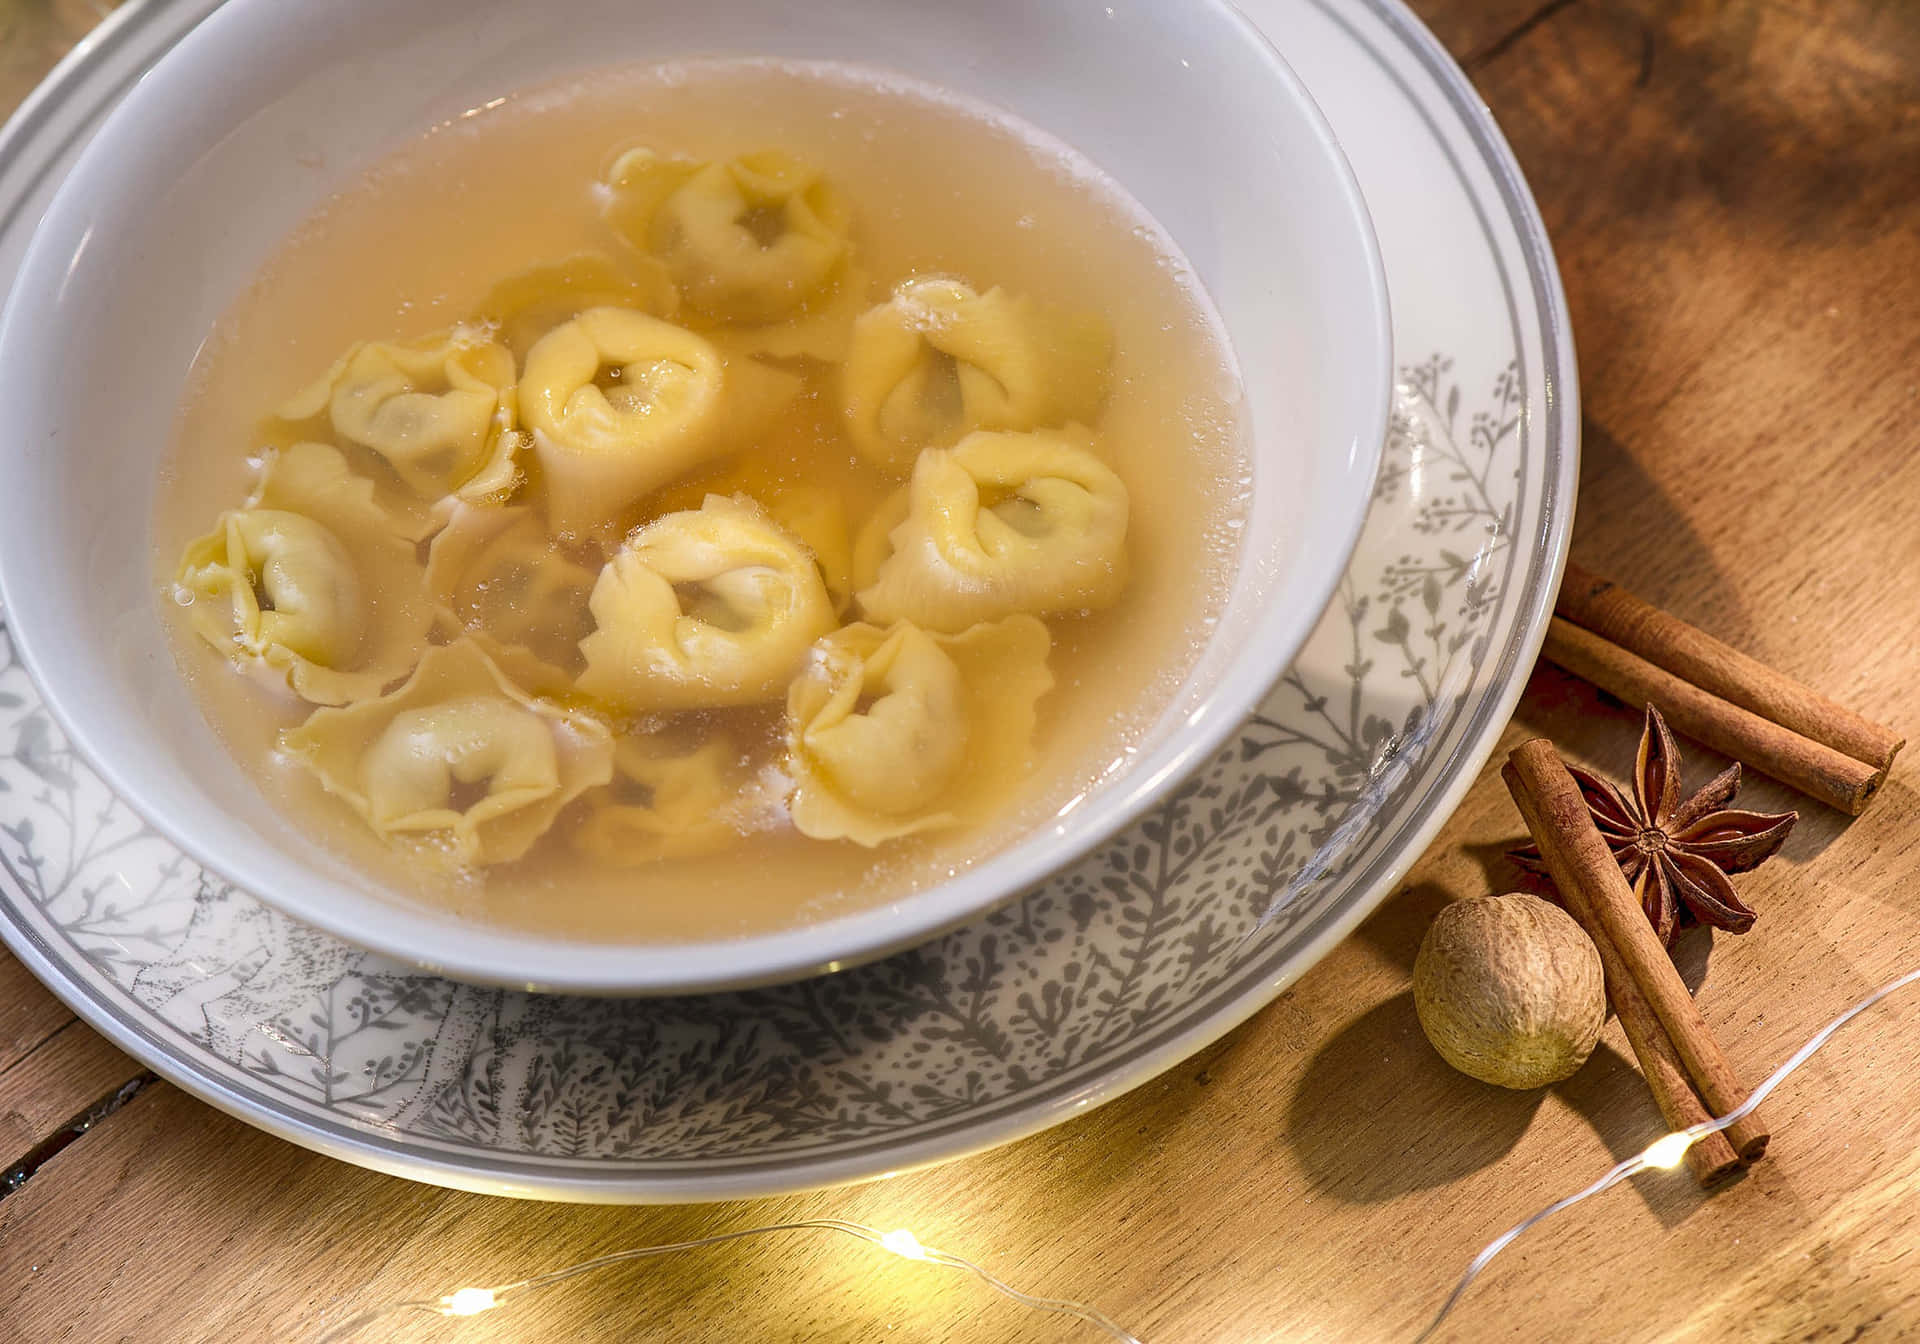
x=900 y=1242
x=1665 y=1153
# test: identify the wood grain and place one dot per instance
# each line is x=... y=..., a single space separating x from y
x=29 y=1016
x=68 y=1076
x=1730 y=189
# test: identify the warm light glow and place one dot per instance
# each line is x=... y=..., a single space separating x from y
x=904 y=1243
x=1668 y=1152
x=469 y=1301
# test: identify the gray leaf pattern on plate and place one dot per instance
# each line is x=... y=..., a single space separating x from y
x=1027 y=998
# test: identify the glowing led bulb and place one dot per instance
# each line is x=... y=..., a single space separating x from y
x=1667 y=1153
x=903 y=1243
x=468 y=1301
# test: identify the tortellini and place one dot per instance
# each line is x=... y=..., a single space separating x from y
x=672 y=803
x=707 y=607
x=315 y=580
x=1003 y=522
x=747 y=240
x=668 y=548
x=497 y=576
x=814 y=515
x=758 y=243
x=621 y=402
x=938 y=361
x=440 y=411
x=891 y=732
x=459 y=757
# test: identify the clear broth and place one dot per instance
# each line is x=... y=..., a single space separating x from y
x=938 y=187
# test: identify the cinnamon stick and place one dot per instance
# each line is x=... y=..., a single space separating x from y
x=1712 y=1159
x=1610 y=611
x=1598 y=895
x=1817 y=770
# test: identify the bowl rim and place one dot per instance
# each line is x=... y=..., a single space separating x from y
x=503 y=956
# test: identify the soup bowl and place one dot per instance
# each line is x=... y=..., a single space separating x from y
x=218 y=154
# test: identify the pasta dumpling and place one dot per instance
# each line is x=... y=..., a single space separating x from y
x=621 y=402
x=701 y=608
x=815 y=515
x=459 y=756
x=1003 y=522
x=895 y=731
x=495 y=575
x=671 y=803
x=317 y=479
x=315 y=581
x=527 y=305
x=749 y=240
x=938 y=361
x=440 y=411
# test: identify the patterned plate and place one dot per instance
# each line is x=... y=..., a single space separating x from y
x=1157 y=944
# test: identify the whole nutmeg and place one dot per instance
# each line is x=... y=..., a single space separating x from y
x=1509 y=990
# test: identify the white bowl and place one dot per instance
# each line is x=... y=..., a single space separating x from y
x=218 y=153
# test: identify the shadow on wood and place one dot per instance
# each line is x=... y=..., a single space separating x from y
x=1362 y=1122
x=1611 y=1097
x=1396 y=928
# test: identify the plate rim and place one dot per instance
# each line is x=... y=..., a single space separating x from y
x=792 y=1173
x=497 y=957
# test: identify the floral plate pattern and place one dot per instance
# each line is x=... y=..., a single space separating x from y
x=1159 y=942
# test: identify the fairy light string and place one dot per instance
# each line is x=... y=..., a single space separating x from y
x=1663 y=1154
x=900 y=1242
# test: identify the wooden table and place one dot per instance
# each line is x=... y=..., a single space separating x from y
x=1734 y=190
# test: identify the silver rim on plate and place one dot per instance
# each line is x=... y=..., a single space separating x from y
x=1160 y=942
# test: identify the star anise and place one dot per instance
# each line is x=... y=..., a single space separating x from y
x=1677 y=854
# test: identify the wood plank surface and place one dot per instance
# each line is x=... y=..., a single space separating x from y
x=1731 y=188
x=73 y=1072
x=29 y=1016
